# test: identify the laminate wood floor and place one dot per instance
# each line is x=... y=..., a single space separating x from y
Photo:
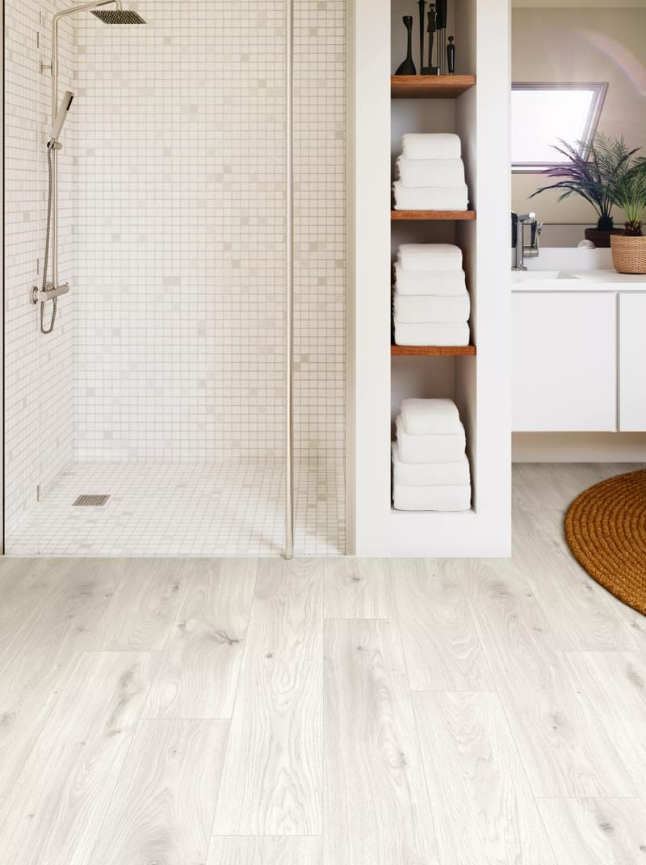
x=325 y=712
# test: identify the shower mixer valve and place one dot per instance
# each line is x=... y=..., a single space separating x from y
x=39 y=295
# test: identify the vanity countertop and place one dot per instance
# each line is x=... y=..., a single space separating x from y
x=572 y=280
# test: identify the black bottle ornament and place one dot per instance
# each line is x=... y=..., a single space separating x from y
x=407 y=67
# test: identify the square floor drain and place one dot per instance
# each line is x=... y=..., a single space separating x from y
x=90 y=501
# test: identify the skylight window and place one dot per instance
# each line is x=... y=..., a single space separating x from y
x=541 y=114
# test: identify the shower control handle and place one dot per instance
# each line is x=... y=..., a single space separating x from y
x=52 y=291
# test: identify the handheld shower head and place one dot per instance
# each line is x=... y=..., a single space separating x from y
x=61 y=116
x=118 y=16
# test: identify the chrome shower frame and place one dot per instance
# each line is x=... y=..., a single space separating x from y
x=289 y=281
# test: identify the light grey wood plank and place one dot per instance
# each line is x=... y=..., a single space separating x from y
x=201 y=661
x=615 y=683
x=266 y=851
x=272 y=771
x=144 y=606
x=580 y=611
x=485 y=809
x=163 y=805
x=54 y=811
x=596 y=831
x=376 y=802
x=53 y=616
x=556 y=485
x=358 y=589
x=564 y=749
x=441 y=643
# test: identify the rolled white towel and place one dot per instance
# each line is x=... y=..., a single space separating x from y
x=427 y=308
x=431 y=197
x=430 y=417
x=430 y=474
x=436 y=257
x=430 y=172
x=415 y=449
x=428 y=333
x=446 y=499
x=431 y=145
x=449 y=284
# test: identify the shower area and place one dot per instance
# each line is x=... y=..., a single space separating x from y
x=151 y=420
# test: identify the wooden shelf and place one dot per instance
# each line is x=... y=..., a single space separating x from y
x=432 y=214
x=432 y=350
x=430 y=86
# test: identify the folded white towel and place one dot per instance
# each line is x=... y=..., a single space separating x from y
x=431 y=145
x=448 y=284
x=430 y=474
x=428 y=333
x=416 y=449
x=437 y=257
x=430 y=417
x=445 y=499
x=427 y=308
x=430 y=172
x=431 y=197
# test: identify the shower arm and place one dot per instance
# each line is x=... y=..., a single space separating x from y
x=55 y=147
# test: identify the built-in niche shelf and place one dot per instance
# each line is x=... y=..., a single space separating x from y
x=432 y=350
x=430 y=86
x=432 y=215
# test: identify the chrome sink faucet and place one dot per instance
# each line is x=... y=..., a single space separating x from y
x=521 y=251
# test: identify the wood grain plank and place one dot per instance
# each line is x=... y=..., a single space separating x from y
x=272 y=771
x=201 y=661
x=432 y=350
x=441 y=643
x=376 y=802
x=615 y=683
x=563 y=747
x=54 y=811
x=358 y=589
x=430 y=86
x=163 y=805
x=432 y=215
x=52 y=617
x=580 y=612
x=486 y=812
x=266 y=851
x=145 y=605
x=596 y=831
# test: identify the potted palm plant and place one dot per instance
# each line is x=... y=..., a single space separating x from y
x=629 y=193
x=590 y=172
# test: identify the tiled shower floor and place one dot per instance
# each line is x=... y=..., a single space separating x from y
x=178 y=509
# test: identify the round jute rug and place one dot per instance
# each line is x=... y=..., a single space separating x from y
x=606 y=530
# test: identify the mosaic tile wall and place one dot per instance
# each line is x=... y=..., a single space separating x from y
x=171 y=347
x=39 y=381
x=180 y=345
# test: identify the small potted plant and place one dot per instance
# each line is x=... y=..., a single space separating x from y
x=590 y=172
x=629 y=193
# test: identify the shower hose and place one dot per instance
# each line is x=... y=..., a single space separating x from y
x=43 y=329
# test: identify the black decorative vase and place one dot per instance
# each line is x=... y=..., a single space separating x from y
x=407 y=67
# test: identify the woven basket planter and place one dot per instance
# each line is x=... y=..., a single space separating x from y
x=628 y=253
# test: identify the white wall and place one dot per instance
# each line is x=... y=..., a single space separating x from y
x=39 y=370
x=562 y=44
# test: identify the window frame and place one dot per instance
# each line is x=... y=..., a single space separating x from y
x=600 y=89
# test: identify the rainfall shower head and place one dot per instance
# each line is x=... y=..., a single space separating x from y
x=118 y=16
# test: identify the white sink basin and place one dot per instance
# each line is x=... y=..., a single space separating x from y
x=540 y=275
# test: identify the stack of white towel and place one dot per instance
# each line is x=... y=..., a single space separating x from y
x=431 y=173
x=430 y=466
x=431 y=304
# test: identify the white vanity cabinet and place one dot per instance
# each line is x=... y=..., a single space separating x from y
x=564 y=374
x=632 y=361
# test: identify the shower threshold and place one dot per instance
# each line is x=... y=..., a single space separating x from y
x=185 y=509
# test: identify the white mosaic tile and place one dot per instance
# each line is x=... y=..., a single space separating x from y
x=170 y=348
x=182 y=509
